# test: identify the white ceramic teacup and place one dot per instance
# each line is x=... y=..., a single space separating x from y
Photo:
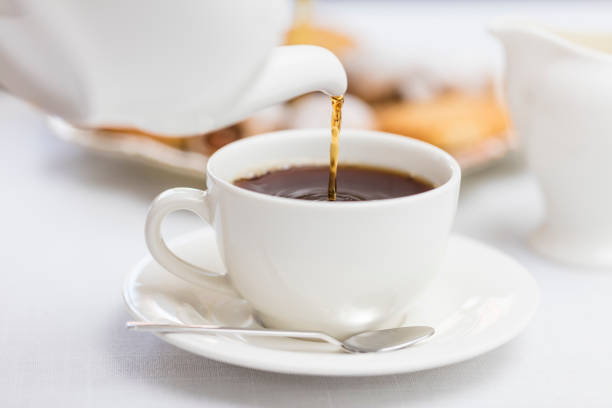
x=338 y=267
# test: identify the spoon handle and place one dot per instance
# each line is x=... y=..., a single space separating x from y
x=198 y=328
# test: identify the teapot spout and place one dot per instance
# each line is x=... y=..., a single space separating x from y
x=290 y=71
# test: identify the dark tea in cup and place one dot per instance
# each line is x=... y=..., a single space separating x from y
x=353 y=183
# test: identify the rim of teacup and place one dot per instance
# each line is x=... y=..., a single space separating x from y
x=453 y=180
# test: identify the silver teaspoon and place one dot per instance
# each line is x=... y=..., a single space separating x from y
x=372 y=341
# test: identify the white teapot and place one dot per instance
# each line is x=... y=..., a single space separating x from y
x=559 y=91
x=168 y=67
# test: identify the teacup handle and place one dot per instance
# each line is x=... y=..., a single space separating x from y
x=176 y=199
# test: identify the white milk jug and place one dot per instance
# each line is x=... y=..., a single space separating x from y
x=559 y=91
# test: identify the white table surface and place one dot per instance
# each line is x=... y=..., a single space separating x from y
x=72 y=227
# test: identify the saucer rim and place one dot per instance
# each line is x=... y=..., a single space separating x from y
x=351 y=365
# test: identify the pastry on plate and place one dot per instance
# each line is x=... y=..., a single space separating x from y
x=209 y=143
x=454 y=121
x=176 y=142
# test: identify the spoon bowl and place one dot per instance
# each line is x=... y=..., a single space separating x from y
x=375 y=341
x=371 y=341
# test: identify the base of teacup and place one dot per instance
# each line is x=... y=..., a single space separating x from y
x=337 y=331
x=571 y=250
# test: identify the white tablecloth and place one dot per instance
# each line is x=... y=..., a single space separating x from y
x=72 y=227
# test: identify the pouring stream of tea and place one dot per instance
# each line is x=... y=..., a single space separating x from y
x=336 y=122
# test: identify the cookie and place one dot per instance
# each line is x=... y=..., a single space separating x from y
x=453 y=121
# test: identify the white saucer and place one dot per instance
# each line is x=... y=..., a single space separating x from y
x=481 y=300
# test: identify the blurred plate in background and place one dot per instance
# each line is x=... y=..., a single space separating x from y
x=427 y=70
